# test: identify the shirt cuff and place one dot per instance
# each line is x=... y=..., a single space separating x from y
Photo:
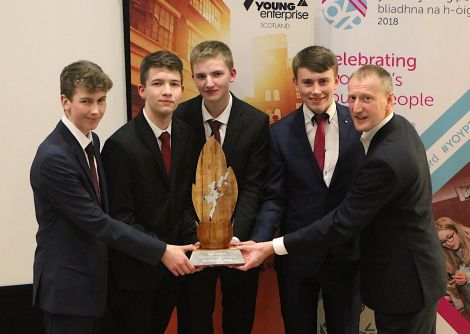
x=235 y=239
x=278 y=245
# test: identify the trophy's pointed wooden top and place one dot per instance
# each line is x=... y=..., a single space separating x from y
x=216 y=185
x=215 y=192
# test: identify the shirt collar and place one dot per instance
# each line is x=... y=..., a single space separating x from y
x=308 y=114
x=82 y=139
x=223 y=117
x=155 y=129
x=367 y=136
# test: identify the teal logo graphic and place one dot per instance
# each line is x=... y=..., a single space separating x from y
x=344 y=14
x=453 y=150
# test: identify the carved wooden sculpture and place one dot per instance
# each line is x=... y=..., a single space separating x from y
x=214 y=197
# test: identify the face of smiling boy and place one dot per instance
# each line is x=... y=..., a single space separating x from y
x=86 y=109
x=316 y=90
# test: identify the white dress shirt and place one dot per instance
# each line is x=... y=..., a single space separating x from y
x=222 y=118
x=156 y=130
x=82 y=139
x=367 y=136
x=331 y=138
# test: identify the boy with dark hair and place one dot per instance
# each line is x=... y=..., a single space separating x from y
x=149 y=163
x=313 y=156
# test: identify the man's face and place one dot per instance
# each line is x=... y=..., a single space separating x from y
x=162 y=91
x=368 y=103
x=86 y=108
x=212 y=78
x=316 y=89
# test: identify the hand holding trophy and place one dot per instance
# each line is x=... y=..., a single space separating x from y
x=214 y=198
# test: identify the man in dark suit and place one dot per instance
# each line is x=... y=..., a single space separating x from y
x=147 y=195
x=402 y=266
x=70 y=265
x=300 y=189
x=243 y=135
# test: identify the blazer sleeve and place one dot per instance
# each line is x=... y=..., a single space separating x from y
x=119 y=178
x=250 y=197
x=376 y=184
x=274 y=202
x=188 y=231
x=61 y=182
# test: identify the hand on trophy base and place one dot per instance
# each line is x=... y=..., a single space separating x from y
x=254 y=253
x=176 y=261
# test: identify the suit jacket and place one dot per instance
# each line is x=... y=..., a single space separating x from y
x=245 y=148
x=402 y=265
x=295 y=193
x=70 y=265
x=143 y=196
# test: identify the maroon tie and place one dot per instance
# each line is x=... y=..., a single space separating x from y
x=215 y=125
x=94 y=175
x=319 y=144
x=166 y=150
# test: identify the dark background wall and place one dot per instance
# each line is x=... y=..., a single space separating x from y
x=17 y=315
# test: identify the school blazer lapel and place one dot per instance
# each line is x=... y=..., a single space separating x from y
x=148 y=137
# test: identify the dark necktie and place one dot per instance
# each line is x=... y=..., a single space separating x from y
x=319 y=144
x=166 y=150
x=215 y=126
x=94 y=175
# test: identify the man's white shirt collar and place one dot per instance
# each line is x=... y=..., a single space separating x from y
x=367 y=136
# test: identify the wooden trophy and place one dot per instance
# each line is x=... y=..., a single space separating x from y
x=214 y=198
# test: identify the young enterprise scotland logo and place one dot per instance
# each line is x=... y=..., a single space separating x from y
x=274 y=4
x=344 y=14
x=279 y=11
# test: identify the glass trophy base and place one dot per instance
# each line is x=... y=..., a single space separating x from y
x=217 y=257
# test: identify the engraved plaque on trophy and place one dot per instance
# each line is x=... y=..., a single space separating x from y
x=214 y=198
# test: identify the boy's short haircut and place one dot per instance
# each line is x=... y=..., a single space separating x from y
x=316 y=59
x=211 y=49
x=85 y=74
x=160 y=59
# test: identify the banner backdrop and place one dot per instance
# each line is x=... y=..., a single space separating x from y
x=422 y=43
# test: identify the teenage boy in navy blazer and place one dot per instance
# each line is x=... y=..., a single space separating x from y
x=71 y=201
x=300 y=189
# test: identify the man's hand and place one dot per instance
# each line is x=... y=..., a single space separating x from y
x=176 y=261
x=254 y=253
